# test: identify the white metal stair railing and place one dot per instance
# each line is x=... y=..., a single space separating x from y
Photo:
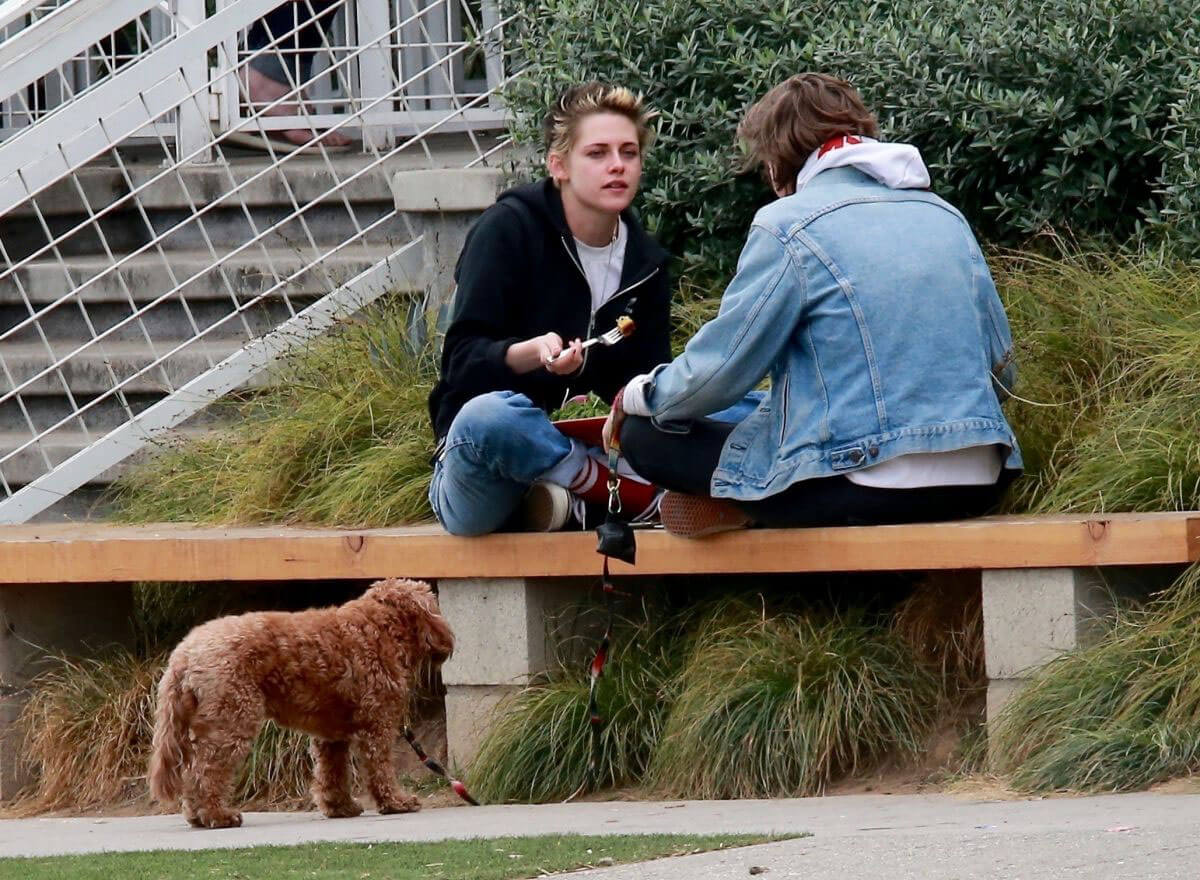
x=94 y=42
x=249 y=256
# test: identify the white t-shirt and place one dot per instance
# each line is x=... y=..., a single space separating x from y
x=602 y=266
x=973 y=466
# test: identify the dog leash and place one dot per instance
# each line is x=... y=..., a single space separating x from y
x=615 y=540
x=435 y=767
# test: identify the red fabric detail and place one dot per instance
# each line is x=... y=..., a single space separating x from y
x=598 y=662
x=635 y=496
x=586 y=431
x=836 y=143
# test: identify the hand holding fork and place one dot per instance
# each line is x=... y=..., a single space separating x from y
x=624 y=327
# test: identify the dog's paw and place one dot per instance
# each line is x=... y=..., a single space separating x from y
x=400 y=805
x=219 y=818
x=346 y=809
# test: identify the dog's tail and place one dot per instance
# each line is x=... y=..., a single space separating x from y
x=172 y=747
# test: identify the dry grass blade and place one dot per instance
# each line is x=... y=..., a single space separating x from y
x=87 y=731
x=942 y=622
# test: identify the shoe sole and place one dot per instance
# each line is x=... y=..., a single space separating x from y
x=690 y=516
x=543 y=510
x=259 y=142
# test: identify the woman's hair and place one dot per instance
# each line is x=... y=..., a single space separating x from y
x=573 y=105
x=782 y=129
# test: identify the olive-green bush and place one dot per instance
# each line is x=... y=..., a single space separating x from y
x=1074 y=114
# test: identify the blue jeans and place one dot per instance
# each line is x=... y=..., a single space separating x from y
x=497 y=445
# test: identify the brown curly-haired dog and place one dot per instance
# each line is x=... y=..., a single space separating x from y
x=343 y=675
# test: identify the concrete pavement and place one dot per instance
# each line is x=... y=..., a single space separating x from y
x=931 y=837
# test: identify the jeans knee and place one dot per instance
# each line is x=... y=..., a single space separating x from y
x=491 y=413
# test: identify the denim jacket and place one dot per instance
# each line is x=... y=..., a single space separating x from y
x=873 y=313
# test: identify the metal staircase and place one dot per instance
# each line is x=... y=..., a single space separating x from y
x=147 y=267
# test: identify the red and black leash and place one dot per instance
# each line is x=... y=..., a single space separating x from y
x=615 y=540
x=433 y=764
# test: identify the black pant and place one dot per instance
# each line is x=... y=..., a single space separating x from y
x=685 y=463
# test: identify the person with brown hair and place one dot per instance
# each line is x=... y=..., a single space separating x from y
x=550 y=264
x=865 y=300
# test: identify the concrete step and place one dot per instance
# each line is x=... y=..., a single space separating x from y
x=224 y=228
x=269 y=195
x=66 y=323
x=94 y=414
x=308 y=177
x=147 y=276
x=88 y=372
x=30 y=463
x=207 y=301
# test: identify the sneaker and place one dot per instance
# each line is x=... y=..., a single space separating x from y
x=545 y=508
x=691 y=516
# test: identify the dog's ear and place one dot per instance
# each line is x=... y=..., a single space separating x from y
x=438 y=636
x=417 y=598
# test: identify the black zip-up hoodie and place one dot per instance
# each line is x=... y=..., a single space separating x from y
x=519 y=276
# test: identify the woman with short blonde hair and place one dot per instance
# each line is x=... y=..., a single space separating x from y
x=550 y=264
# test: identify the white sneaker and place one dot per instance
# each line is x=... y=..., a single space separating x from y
x=546 y=507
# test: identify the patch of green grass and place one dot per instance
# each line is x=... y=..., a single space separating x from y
x=1119 y=715
x=1106 y=348
x=487 y=859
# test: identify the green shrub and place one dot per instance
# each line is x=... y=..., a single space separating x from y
x=540 y=746
x=1116 y=716
x=1077 y=114
x=777 y=706
x=342 y=437
x=1178 y=215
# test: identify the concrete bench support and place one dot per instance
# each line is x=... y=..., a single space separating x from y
x=502 y=625
x=441 y=204
x=1032 y=615
x=38 y=621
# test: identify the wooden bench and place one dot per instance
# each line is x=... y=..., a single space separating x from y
x=1040 y=576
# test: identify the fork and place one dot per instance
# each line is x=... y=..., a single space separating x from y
x=611 y=337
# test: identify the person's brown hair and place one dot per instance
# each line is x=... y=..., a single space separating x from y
x=573 y=105
x=782 y=128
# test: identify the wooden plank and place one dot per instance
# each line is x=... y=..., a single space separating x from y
x=89 y=553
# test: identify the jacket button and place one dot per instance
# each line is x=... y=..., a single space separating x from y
x=873 y=450
x=856 y=455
